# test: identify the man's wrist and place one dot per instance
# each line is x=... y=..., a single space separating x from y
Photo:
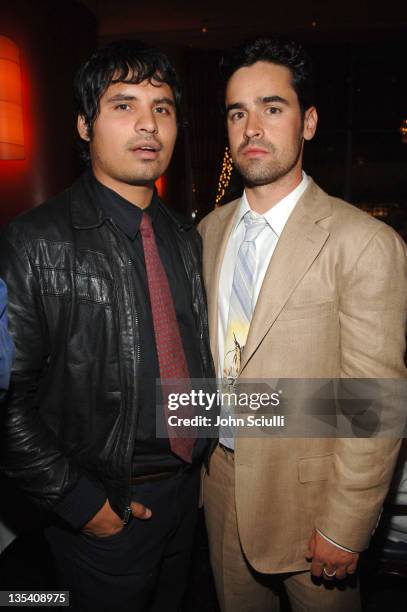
x=81 y=504
x=355 y=552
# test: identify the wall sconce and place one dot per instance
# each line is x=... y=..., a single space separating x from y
x=11 y=110
x=403 y=131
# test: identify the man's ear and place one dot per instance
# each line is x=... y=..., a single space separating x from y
x=310 y=123
x=83 y=128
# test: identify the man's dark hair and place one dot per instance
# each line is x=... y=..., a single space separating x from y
x=128 y=61
x=278 y=51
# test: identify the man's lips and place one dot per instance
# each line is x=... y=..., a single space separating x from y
x=254 y=152
x=146 y=150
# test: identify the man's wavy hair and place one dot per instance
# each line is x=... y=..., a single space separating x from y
x=128 y=61
x=279 y=51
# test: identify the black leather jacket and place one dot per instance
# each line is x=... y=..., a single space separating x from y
x=71 y=414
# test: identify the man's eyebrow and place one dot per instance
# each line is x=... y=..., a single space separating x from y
x=121 y=98
x=268 y=99
x=259 y=100
x=164 y=100
x=234 y=106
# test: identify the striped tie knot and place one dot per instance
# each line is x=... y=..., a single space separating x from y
x=254 y=226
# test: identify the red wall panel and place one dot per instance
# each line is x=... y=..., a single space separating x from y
x=52 y=41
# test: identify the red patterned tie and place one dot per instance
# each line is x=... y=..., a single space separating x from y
x=171 y=356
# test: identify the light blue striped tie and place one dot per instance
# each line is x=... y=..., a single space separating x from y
x=241 y=306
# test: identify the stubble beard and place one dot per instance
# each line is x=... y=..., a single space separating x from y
x=144 y=176
x=258 y=172
x=138 y=175
x=141 y=178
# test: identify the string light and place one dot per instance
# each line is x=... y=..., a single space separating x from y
x=224 y=178
x=403 y=131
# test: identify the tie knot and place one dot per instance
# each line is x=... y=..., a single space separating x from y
x=254 y=226
x=146 y=227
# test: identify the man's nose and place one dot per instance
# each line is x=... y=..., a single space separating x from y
x=146 y=122
x=253 y=128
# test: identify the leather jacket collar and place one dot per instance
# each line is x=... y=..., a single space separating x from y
x=85 y=214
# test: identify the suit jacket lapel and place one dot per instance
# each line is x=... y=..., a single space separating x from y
x=298 y=246
x=215 y=249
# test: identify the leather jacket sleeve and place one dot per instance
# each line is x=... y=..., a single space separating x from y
x=30 y=452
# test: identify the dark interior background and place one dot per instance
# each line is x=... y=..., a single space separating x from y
x=359 y=49
x=360 y=52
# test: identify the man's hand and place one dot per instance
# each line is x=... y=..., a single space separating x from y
x=139 y=511
x=327 y=556
x=106 y=523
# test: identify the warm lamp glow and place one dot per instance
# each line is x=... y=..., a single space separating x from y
x=11 y=112
x=160 y=186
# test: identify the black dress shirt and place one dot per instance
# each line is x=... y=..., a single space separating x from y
x=152 y=454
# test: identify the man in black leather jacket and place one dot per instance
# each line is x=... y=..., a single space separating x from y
x=79 y=436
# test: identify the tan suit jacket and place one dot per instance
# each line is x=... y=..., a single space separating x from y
x=333 y=304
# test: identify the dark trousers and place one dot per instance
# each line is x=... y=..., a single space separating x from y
x=145 y=566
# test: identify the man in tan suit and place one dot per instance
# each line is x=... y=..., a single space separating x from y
x=322 y=294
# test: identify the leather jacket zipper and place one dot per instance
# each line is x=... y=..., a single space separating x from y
x=126 y=513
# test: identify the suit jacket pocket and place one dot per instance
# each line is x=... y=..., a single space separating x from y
x=306 y=311
x=311 y=469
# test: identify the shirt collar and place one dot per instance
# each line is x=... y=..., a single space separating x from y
x=278 y=214
x=123 y=213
